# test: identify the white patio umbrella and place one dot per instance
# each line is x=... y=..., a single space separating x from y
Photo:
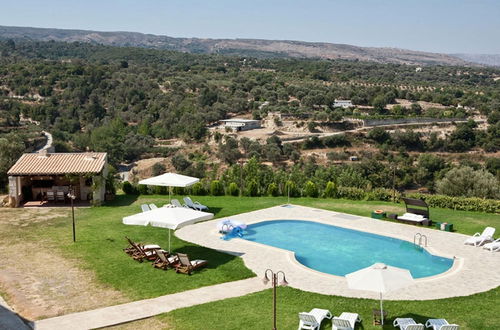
x=170 y=180
x=167 y=217
x=379 y=278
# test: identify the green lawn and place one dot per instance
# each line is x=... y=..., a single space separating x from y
x=100 y=240
x=254 y=311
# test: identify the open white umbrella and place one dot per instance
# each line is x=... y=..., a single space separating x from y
x=170 y=180
x=167 y=217
x=379 y=278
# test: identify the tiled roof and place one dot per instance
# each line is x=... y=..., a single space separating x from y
x=59 y=163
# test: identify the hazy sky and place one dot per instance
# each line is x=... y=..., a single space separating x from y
x=448 y=26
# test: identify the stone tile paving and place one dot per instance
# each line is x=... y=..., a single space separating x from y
x=474 y=270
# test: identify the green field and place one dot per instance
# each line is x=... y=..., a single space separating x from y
x=100 y=240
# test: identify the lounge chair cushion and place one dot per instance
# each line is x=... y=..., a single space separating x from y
x=196 y=262
x=413 y=217
x=151 y=246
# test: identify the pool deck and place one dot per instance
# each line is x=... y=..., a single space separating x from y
x=474 y=270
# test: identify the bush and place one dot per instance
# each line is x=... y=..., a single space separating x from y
x=311 y=190
x=198 y=189
x=252 y=188
x=351 y=193
x=382 y=194
x=233 y=189
x=160 y=190
x=272 y=189
x=216 y=188
x=330 y=190
x=143 y=189
x=128 y=188
x=460 y=203
x=291 y=189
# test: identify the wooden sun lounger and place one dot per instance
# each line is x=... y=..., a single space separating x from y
x=163 y=261
x=187 y=266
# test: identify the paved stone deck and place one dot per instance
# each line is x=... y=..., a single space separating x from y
x=474 y=270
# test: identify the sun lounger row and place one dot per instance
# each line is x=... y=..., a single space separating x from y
x=175 y=203
x=162 y=259
x=435 y=324
x=485 y=239
x=313 y=319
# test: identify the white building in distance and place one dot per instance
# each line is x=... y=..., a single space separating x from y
x=342 y=104
x=239 y=124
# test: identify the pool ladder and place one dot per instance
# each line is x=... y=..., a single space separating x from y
x=420 y=238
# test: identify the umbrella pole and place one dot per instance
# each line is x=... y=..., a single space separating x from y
x=381 y=310
x=169 y=240
x=169 y=195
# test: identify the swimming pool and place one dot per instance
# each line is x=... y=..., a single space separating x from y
x=340 y=251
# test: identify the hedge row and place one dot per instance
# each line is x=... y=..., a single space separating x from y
x=217 y=188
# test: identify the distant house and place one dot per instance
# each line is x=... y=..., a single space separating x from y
x=238 y=124
x=418 y=69
x=47 y=177
x=342 y=104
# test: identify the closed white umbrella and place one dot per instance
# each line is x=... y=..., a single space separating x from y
x=167 y=217
x=379 y=278
x=170 y=180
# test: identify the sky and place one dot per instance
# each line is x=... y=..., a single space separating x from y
x=444 y=26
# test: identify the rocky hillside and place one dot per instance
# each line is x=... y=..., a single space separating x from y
x=245 y=47
x=486 y=59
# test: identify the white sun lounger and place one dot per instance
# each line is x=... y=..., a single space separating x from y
x=195 y=205
x=313 y=319
x=493 y=246
x=145 y=207
x=153 y=206
x=479 y=239
x=346 y=321
x=407 y=324
x=176 y=203
x=440 y=324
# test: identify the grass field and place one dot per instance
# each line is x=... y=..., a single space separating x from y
x=100 y=240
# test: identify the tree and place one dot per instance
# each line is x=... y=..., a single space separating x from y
x=379 y=103
x=11 y=148
x=379 y=135
x=466 y=182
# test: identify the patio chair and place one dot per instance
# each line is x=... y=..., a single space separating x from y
x=131 y=249
x=142 y=254
x=479 y=239
x=164 y=261
x=493 y=246
x=145 y=207
x=440 y=324
x=313 y=319
x=152 y=206
x=176 y=203
x=51 y=197
x=194 y=205
x=187 y=266
x=60 y=196
x=346 y=321
x=407 y=324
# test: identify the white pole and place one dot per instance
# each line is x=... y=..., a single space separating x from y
x=169 y=194
x=169 y=240
x=381 y=310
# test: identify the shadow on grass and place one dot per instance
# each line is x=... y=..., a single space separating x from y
x=214 y=258
x=215 y=210
x=122 y=200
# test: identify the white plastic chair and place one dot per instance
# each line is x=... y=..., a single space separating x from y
x=440 y=324
x=194 y=205
x=152 y=206
x=493 y=246
x=176 y=203
x=145 y=207
x=479 y=239
x=313 y=319
x=346 y=321
x=407 y=324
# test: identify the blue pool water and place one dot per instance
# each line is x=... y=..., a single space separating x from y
x=340 y=251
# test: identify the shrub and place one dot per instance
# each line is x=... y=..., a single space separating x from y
x=252 y=188
x=460 y=203
x=143 y=189
x=198 y=189
x=291 y=189
x=160 y=190
x=216 y=188
x=382 y=194
x=310 y=189
x=158 y=168
x=233 y=189
x=272 y=189
x=128 y=188
x=330 y=190
x=351 y=193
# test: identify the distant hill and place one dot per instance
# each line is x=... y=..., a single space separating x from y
x=244 y=47
x=485 y=59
